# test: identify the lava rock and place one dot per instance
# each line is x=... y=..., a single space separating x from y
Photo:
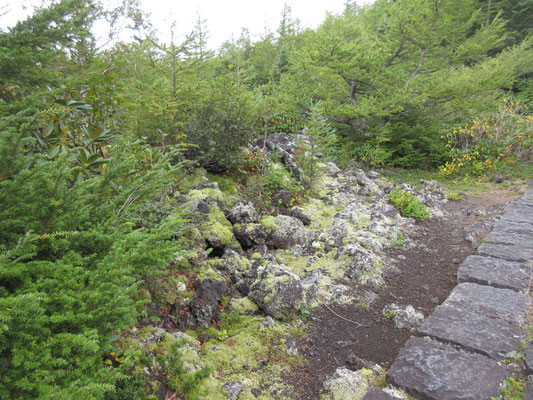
x=285 y=232
x=363 y=260
x=204 y=306
x=345 y=384
x=299 y=213
x=267 y=323
x=404 y=316
x=291 y=346
x=250 y=236
x=276 y=290
x=243 y=213
x=232 y=389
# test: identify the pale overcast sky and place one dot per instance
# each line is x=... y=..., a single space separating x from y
x=224 y=17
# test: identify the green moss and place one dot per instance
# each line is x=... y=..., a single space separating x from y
x=246 y=345
x=207 y=193
x=243 y=306
x=321 y=214
x=269 y=223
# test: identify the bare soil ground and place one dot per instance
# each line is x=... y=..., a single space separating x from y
x=422 y=273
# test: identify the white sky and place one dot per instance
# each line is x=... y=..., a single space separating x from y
x=224 y=17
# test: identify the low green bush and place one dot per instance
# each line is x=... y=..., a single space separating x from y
x=408 y=204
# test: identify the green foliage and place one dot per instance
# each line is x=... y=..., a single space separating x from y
x=454 y=196
x=172 y=367
x=222 y=125
x=481 y=146
x=285 y=122
x=408 y=204
x=511 y=390
x=319 y=136
x=268 y=179
x=376 y=67
x=71 y=254
x=127 y=388
x=30 y=50
x=399 y=241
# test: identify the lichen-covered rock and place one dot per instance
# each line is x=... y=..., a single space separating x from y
x=188 y=350
x=204 y=306
x=251 y=236
x=299 y=213
x=404 y=316
x=243 y=213
x=235 y=265
x=276 y=290
x=363 y=260
x=232 y=389
x=267 y=323
x=345 y=384
x=284 y=232
x=330 y=168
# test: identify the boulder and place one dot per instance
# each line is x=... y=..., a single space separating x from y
x=243 y=213
x=299 y=213
x=204 y=306
x=284 y=232
x=276 y=290
x=251 y=236
x=363 y=260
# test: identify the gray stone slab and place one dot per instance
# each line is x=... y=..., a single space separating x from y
x=473 y=331
x=518 y=214
x=429 y=370
x=495 y=272
x=504 y=304
x=529 y=394
x=528 y=358
x=510 y=252
x=522 y=239
x=505 y=226
x=525 y=202
x=375 y=393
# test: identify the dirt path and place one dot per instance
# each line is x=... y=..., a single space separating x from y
x=421 y=273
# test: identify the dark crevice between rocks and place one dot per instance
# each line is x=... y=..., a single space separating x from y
x=216 y=252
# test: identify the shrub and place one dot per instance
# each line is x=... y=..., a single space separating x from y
x=221 y=127
x=479 y=147
x=408 y=204
x=71 y=255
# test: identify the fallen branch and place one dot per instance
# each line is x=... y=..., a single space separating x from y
x=341 y=317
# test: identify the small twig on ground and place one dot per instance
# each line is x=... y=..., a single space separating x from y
x=341 y=317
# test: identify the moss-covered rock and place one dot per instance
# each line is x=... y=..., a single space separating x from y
x=243 y=306
x=284 y=232
x=276 y=290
